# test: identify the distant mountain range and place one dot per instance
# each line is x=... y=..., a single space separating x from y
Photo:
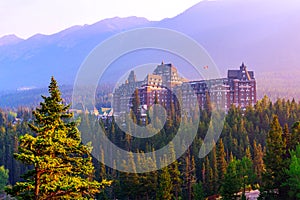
x=10 y=40
x=263 y=34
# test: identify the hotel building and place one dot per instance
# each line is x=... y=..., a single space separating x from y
x=238 y=89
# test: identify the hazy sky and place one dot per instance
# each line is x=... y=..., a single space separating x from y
x=25 y=18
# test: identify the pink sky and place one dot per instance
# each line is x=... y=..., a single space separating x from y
x=26 y=18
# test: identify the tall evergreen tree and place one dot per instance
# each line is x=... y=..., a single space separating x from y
x=286 y=137
x=231 y=183
x=189 y=174
x=135 y=114
x=245 y=173
x=294 y=174
x=295 y=137
x=248 y=153
x=258 y=162
x=208 y=177
x=214 y=166
x=62 y=165
x=274 y=158
x=221 y=160
x=165 y=186
x=198 y=192
x=174 y=172
x=148 y=180
x=129 y=181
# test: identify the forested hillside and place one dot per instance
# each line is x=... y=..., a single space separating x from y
x=253 y=152
x=31 y=98
x=278 y=84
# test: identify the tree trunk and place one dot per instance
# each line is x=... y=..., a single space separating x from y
x=190 y=190
x=37 y=184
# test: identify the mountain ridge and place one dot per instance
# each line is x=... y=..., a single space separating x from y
x=10 y=40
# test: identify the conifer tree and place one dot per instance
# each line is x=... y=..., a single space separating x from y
x=248 y=153
x=245 y=172
x=295 y=137
x=231 y=183
x=258 y=162
x=129 y=181
x=207 y=176
x=294 y=174
x=174 y=172
x=221 y=162
x=62 y=165
x=231 y=157
x=198 y=192
x=286 y=136
x=274 y=158
x=147 y=180
x=165 y=185
x=136 y=106
x=102 y=165
x=189 y=174
x=214 y=164
x=211 y=181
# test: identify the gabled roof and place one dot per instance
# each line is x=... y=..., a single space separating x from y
x=238 y=74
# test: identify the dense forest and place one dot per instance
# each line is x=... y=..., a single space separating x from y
x=257 y=150
x=278 y=84
x=32 y=97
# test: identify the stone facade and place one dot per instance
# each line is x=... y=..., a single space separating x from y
x=238 y=89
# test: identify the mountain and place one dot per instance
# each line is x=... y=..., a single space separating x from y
x=263 y=34
x=31 y=62
x=9 y=40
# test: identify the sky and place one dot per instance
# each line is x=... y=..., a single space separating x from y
x=25 y=18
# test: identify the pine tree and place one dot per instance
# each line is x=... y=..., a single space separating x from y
x=286 y=136
x=221 y=162
x=294 y=174
x=248 y=153
x=62 y=165
x=258 y=162
x=211 y=181
x=231 y=157
x=129 y=181
x=295 y=137
x=198 y=192
x=207 y=177
x=165 y=185
x=189 y=178
x=245 y=172
x=174 y=172
x=231 y=183
x=102 y=166
x=136 y=106
x=274 y=158
x=214 y=164
x=148 y=180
